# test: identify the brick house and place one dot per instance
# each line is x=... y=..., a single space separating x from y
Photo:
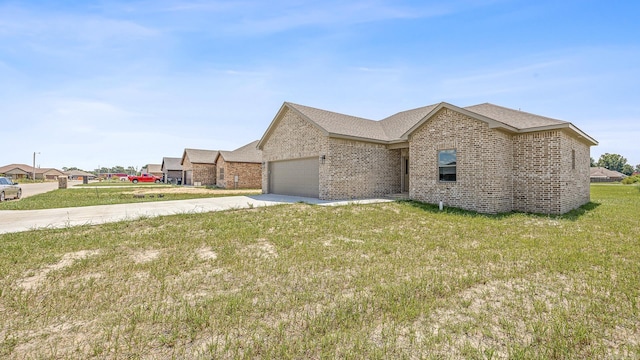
x=171 y=170
x=17 y=171
x=240 y=168
x=484 y=158
x=153 y=169
x=198 y=167
x=600 y=174
x=22 y=171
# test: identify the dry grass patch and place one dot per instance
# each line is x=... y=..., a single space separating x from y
x=145 y=256
x=32 y=281
x=399 y=280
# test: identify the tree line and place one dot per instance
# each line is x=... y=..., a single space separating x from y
x=615 y=162
x=130 y=170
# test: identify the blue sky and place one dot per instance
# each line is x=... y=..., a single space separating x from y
x=106 y=83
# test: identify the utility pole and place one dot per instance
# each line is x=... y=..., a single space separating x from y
x=34 y=165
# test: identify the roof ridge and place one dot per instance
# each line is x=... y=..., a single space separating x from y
x=510 y=109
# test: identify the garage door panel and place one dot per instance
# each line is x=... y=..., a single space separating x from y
x=299 y=177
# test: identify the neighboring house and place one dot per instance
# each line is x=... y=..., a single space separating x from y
x=79 y=175
x=172 y=170
x=600 y=174
x=199 y=167
x=49 y=173
x=154 y=169
x=17 y=171
x=240 y=168
x=484 y=158
x=22 y=171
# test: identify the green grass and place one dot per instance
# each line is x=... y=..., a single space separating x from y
x=394 y=280
x=62 y=198
x=107 y=183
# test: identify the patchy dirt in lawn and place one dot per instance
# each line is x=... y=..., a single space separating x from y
x=206 y=253
x=145 y=256
x=68 y=259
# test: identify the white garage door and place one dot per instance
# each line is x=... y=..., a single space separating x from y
x=298 y=177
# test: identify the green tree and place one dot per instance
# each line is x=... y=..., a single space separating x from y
x=593 y=162
x=627 y=170
x=118 y=169
x=638 y=168
x=613 y=162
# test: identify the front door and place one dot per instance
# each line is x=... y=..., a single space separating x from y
x=405 y=174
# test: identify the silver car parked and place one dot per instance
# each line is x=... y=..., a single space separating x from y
x=9 y=189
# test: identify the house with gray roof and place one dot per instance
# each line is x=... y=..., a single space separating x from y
x=601 y=174
x=22 y=171
x=171 y=170
x=240 y=168
x=17 y=171
x=199 y=167
x=79 y=175
x=484 y=158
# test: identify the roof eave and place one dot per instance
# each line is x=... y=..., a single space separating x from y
x=564 y=126
x=358 y=138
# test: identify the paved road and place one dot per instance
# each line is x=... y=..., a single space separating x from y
x=24 y=220
x=43 y=187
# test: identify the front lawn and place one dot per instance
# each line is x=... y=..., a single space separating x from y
x=73 y=197
x=392 y=280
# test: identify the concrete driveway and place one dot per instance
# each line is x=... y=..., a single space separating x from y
x=43 y=187
x=24 y=220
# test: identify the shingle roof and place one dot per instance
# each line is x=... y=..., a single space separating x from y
x=48 y=171
x=171 y=163
x=28 y=169
x=200 y=156
x=398 y=124
x=518 y=119
x=10 y=167
x=154 y=168
x=397 y=127
x=248 y=154
x=600 y=172
x=336 y=123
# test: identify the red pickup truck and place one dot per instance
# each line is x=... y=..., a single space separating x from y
x=144 y=178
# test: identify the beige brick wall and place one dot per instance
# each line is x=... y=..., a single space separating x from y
x=536 y=172
x=293 y=138
x=355 y=169
x=575 y=175
x=544 y=178
x=249 y=175
x=484 y=163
